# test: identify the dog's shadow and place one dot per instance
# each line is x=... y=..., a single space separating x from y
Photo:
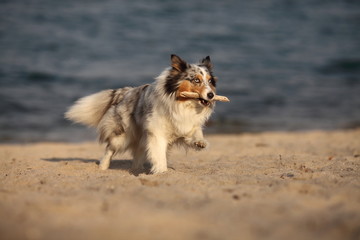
x=115 y=164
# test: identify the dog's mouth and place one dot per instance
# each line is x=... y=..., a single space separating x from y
x=204 y=102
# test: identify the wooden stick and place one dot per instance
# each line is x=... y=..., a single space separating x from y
x=196 y=95
x=189 y=95
x=221 y=98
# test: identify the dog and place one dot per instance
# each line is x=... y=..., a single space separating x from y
x=150 y=119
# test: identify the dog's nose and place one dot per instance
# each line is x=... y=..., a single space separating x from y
x=210 y=95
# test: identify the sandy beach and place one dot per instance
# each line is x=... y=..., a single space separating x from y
x=275 y=185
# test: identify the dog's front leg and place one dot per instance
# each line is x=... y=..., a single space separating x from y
x=156 y=152
x=197 y=140
x=139 y=158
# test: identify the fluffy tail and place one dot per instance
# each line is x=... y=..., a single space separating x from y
x=90 y=109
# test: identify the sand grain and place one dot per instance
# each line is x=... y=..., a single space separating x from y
x=249 y=186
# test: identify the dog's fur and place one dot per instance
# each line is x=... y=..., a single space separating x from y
x=149 y=119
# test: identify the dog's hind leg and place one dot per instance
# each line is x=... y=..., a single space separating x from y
x=105 y=161
x=116 y=144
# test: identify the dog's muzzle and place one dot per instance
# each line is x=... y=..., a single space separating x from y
x=207 y=102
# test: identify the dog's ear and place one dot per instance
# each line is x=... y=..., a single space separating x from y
x=177 y=63
x=207 y=63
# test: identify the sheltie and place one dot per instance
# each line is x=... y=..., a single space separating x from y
x=148 y=120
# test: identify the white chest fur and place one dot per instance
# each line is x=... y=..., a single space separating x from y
x=187 y=117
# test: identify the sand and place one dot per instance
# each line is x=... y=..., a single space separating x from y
x=275 y=185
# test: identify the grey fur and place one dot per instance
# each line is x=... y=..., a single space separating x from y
x=145 y=120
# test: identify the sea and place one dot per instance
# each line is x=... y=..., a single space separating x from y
x=286 y=65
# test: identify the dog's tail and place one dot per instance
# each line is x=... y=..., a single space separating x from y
x=89 y=110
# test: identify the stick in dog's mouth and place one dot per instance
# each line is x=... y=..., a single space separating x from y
x=197 y=96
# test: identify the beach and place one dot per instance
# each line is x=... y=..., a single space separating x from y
x=271 y=185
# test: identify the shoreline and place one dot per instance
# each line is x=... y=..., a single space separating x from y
x=273 y=185
x=75 y=133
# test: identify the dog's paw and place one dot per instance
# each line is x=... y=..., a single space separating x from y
x=157 y=169
x=137 y=171
x=200 y=144
x=103 y=166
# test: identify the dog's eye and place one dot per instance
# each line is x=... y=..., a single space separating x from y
x=196 y=80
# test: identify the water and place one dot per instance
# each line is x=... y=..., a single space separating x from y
x=285 y=65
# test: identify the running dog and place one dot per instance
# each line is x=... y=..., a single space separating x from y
x=148 y=120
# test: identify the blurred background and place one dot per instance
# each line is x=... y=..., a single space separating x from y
x=285 y=65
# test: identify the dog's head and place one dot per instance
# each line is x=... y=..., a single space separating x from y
x=197 y=78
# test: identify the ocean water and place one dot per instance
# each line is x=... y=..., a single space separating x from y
x=285 y=65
